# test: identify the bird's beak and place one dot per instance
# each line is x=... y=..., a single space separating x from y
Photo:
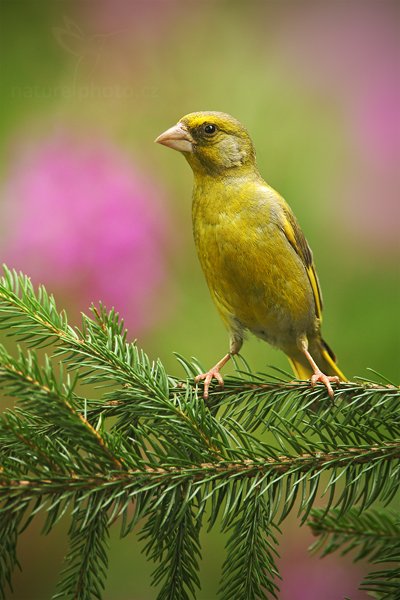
x=177 y=138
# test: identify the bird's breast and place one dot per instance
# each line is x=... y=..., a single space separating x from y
x=252 y=271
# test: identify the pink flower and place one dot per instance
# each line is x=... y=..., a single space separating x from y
x=310 y=577
x=349 y=51
x=84 y=221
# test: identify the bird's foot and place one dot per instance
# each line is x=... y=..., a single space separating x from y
x=326 y=380
x=213 y=373
x=207 y=377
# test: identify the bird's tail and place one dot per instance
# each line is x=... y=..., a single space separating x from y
x=325 y=359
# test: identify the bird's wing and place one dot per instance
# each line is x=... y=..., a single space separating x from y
x=296 y=239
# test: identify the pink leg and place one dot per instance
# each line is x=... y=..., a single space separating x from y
x=319 y=375
x=213 y=373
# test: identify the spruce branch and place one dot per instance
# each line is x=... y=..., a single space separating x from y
x=52 y=400
x=86 y=563
x=249 y=569
x=9 y=528
x=172 y=541
x=150 y=454
x=98 y=351
x=371 y=534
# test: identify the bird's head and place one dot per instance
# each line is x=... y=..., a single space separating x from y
x=212 y=142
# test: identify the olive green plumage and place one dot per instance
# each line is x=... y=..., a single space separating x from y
x=256 y=260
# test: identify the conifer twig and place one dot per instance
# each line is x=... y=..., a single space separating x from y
x=150 y=454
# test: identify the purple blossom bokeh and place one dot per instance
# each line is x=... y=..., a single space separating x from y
x=350 y=50
x=82 y=220
x=307 y=576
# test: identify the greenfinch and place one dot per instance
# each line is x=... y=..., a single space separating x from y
x=258 y=265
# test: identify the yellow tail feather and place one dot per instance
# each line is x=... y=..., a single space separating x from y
x=301 y=371
x=325 y=362
x=333 y=365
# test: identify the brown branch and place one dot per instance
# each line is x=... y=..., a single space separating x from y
x=248 y=468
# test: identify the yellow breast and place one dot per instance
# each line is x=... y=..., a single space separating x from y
x=253 y=273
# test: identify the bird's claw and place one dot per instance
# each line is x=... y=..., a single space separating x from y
x=207 y=378
x=326 y=380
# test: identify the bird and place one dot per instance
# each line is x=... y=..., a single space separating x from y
x=257 y=263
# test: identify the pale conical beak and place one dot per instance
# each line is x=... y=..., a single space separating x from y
x=177 y=138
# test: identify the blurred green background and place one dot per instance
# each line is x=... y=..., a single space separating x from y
x=93 y=209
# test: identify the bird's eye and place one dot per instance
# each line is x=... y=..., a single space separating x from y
x=209 y=129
